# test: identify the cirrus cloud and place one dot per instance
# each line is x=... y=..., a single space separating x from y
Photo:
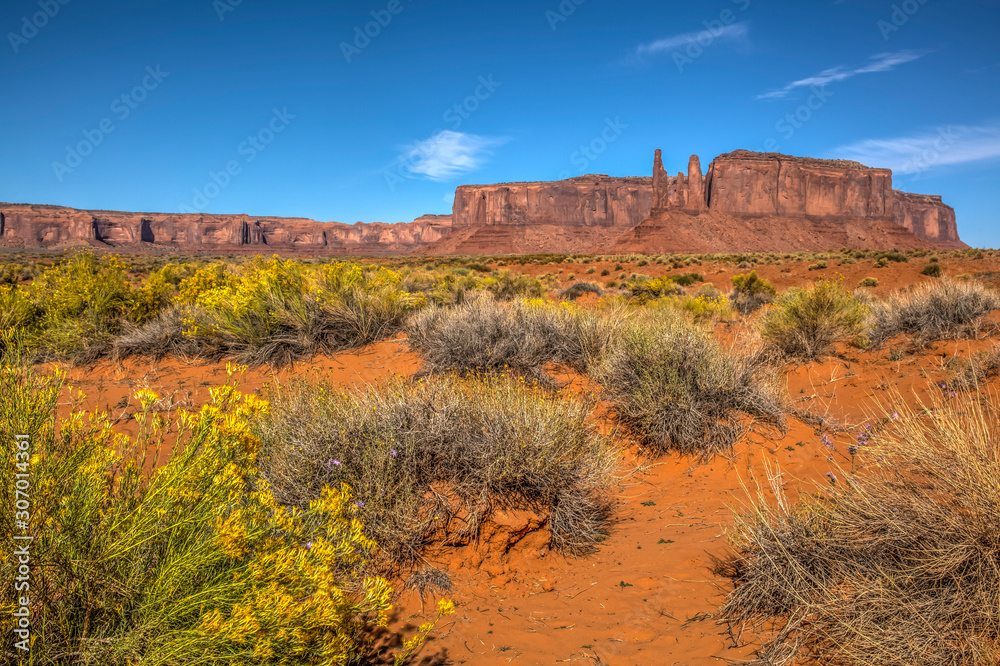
x=448 y=154
x=917 y=153
x=882 y=62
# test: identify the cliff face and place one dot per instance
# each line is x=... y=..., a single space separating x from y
x=53 y=227
x=586 y=201
x=758 y=184
x=744 y=184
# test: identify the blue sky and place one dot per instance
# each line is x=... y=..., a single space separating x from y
x=290 y=108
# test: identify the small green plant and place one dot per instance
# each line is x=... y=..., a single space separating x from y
x=932 y=270
x=751 y=292
x=868 y=282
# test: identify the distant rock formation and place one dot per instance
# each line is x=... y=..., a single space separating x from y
x=744 y=202
x=744 y=183
x=770 y=202
x=586 y=201
x=55 y=227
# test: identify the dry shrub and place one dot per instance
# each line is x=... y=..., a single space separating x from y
x=439 y=456
x=896 y=564
x=578 y=289
x=934 y=311
x=163 y=337
x=483 y=335
x=680 y=390
x=978 y=369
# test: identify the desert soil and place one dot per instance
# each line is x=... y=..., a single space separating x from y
x=647 y=596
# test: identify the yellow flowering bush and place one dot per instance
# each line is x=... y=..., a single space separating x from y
x=193 y=563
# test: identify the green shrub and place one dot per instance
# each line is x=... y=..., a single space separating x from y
x=688 y=279
x=891 y=561
x=819 y=265
x=434 y=459
x=74 y=309
x=805 y=323
x=868 y=282
x=932 y=270
x=750 y=292
x=679 y=390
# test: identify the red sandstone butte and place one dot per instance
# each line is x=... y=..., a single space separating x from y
x=743 y=202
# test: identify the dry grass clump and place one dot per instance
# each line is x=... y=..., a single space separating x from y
x=437 y=457
x=680 y=390
x=483 y=335
x=978 y=369
x=163 y=337
x=934 y=311
x=897 y=564
x=805 y=323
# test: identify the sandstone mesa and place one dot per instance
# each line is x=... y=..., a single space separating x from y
x=743 y=202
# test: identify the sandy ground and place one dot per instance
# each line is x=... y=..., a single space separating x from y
x=648 y=596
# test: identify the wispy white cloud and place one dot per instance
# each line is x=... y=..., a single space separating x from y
x=448 y=154
x=729 y=33
x=905 y=155
x=882 y=62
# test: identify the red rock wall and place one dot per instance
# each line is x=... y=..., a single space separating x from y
x=588 y=201
x=747 y=184
x=924 y=215
x=54 y=226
